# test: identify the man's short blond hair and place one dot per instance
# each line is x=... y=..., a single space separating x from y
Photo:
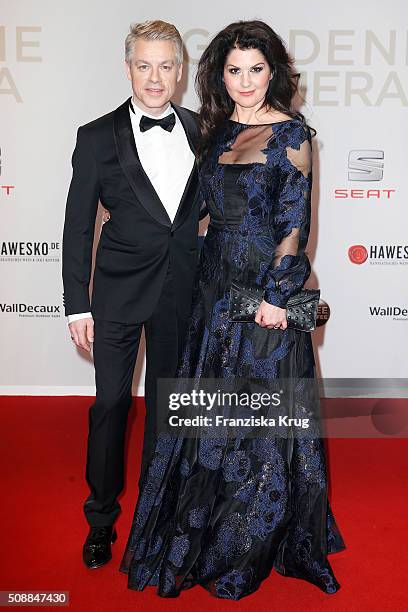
x=153 y=30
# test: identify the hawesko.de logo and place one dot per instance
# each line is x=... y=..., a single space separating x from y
x=357 y=254
x=379 y=254
x=29 y=251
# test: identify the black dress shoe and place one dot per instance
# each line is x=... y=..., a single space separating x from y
x=97 y=548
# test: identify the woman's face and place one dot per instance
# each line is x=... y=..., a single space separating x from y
x=246 y=76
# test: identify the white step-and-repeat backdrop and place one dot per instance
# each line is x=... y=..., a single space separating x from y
x=61 y=65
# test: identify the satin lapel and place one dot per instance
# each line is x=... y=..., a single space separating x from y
x=189 y=124
x=188 y=197
x=133 y=169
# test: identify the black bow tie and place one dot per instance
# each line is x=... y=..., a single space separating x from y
x=167 y=123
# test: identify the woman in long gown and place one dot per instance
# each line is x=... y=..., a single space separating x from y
x=223 y=512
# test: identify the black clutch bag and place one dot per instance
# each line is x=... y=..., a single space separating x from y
x=301 y=309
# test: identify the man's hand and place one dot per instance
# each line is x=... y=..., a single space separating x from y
x=271 y=316
x=82 y=333
x=105 y=215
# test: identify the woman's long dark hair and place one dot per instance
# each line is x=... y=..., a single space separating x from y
x=216 y=104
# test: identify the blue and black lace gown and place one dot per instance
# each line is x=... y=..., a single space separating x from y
x=223 y=512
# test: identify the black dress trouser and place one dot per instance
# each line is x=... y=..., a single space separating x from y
x=115 y=351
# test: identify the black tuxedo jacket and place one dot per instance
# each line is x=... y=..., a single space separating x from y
x=139 y=240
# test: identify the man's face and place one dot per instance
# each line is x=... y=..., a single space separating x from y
x=154 y=73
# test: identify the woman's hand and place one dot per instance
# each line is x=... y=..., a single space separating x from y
x=271 y=317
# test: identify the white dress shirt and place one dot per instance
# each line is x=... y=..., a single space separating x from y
x=166 y=158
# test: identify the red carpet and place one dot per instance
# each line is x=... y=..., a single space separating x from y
x=42 y=463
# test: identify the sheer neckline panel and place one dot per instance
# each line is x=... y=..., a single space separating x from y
x=247 y=145
x=261 y=124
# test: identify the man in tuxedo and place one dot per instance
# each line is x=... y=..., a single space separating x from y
x=139 y=162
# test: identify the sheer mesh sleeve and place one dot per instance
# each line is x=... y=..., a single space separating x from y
x=290 y=266
x=203 y=211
